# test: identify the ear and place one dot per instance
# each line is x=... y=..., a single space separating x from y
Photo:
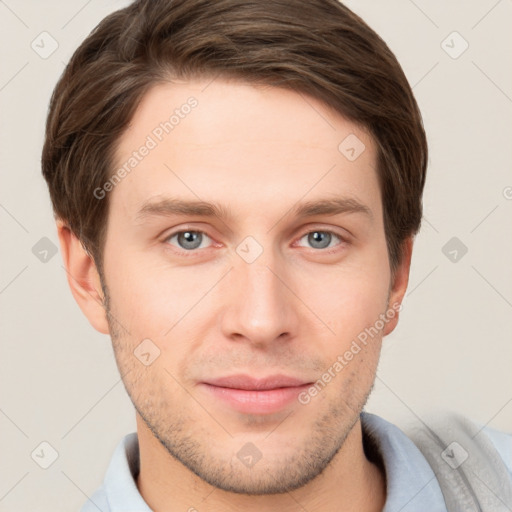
x=83 y=278
x=399 y=285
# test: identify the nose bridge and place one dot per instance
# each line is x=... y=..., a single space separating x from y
x=260 y=308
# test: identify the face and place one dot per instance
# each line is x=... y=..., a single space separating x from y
x=245 y=252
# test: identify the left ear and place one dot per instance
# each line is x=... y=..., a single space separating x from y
x=399 y=285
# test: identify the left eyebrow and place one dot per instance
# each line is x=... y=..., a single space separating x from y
x=331 y=207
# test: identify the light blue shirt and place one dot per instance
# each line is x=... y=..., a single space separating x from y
x=411 y=484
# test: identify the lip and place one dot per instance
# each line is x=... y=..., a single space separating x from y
x=252 y=395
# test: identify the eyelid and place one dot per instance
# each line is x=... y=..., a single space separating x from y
x=167 y=237
x=343 y=240
x=341 y=233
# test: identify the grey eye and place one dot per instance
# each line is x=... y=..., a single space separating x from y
x=188 y=240
x=319 y=239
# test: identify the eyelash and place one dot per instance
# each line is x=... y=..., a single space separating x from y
x=194 y=252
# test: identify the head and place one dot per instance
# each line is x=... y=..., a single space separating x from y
x=237 y=185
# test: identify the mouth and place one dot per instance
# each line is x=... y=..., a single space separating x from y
x=251 y=395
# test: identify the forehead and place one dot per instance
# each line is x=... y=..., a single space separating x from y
x=243 y=143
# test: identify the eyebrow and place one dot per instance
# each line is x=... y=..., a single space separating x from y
x=173 y=206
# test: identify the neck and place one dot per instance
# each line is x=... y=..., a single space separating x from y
x=350 y=483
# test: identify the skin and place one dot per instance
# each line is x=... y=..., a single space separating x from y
x=257 y=151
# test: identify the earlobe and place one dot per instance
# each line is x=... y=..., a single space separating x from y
x=399 y=286
x=83 y=278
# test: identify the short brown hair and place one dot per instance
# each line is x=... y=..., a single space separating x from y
x=315 y=47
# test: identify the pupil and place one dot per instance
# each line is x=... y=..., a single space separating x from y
x=319 y=239
x=190 y=239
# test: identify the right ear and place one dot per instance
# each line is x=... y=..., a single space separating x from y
x=83 y=278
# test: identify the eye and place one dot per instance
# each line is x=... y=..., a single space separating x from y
x=321 y=239
x=188 y=240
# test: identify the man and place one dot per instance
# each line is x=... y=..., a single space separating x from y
x=237 y=185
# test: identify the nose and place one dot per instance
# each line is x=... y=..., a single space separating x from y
x=260 y=307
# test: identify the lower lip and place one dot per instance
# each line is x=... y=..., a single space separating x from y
x=256 y=402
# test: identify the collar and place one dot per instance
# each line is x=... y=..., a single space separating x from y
x=411 y=485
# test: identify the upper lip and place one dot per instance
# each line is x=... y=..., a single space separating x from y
x=251 y=383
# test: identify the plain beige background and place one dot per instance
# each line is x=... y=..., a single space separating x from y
x=452 y=348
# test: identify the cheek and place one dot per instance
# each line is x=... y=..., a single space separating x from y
x=351 y=301
x=153 y=300
x=348 y=299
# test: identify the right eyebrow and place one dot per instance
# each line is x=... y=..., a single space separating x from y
x=172 y=206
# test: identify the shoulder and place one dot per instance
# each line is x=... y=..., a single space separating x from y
x=446 y=428
x=411 y=485
x=451 y=452
x=502 y=442
x=98 y=501
x=472 y=462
